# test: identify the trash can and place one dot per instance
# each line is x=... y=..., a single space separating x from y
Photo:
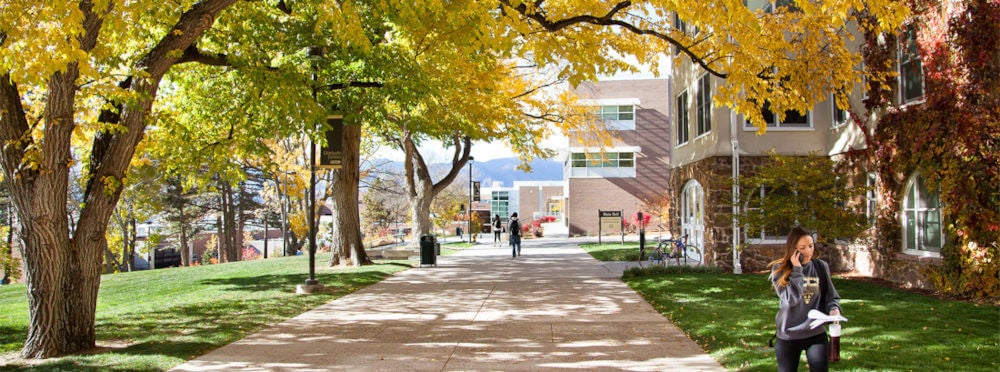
x=437 y=248
x=427 y=256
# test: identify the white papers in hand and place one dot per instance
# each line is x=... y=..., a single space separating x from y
x=819 y=318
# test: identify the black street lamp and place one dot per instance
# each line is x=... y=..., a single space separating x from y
x=471 y=159
x=311 y=284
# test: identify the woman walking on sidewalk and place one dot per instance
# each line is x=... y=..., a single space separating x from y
x=514 y=230
x=497 y=229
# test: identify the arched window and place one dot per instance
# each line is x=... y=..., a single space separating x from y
x=693 y=214
x=922 y=232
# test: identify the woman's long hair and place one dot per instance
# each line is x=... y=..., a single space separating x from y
x=785 y=263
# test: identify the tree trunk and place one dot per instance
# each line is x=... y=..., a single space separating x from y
x=420 y=210
x=348 y=247
x=63 y=271
x=421 y=188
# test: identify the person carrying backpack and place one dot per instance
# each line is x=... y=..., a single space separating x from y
x=514 y=229
x=497 y=229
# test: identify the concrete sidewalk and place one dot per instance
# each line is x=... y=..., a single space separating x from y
x=554 y=308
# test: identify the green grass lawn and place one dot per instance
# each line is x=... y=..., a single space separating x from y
x=154 y=320
x=612 y=250
x=732 y=317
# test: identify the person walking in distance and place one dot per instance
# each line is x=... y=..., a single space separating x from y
x=803 y=284
x=514 y=230
x=497 y=229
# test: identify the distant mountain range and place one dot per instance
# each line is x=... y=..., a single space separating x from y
x=505 y=170
x=502 y=170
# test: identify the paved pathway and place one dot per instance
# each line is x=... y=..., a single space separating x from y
x=554 y=308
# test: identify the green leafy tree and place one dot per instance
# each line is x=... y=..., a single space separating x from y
x=802 y=191
x=86 y=74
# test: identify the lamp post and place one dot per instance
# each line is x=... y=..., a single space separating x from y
x=469 y=211
x=311 y=284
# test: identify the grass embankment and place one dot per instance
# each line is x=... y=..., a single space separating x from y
x=154 y=320
x=732 y=317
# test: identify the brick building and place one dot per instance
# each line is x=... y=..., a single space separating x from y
x=635 y=167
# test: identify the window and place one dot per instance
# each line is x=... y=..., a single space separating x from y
x=500 y=203
x=793 y=119
x=680 y=26
x=621 y=117
x=775 y=230
x=911 y=70
x=693 y=214
x=771 y=6
x=608 y=164
x=871 y=209
x=704 y=104
x=682 y=118
x=922 y=232
x=839 y=114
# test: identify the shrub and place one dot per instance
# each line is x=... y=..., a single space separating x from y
x=654 y=270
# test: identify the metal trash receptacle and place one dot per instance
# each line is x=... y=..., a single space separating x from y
x=427 y=256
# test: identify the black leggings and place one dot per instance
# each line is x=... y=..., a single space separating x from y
x=789 y=352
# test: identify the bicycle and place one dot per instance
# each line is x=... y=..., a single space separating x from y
x=675 y=249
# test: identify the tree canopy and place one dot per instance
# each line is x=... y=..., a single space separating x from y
x=83 y=82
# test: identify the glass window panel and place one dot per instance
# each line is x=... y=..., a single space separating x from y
x=682 y=118
x=626 y=116
x=911 y=230
x=932 y=230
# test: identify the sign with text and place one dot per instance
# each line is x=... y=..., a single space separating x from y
x=610 y=221
x=475 y=190
x=331 y=155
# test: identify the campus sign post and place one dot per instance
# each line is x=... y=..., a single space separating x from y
x=609 y=221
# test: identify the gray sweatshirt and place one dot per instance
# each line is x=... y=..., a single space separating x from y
x=804 y=293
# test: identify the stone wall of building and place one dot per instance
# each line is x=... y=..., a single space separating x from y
x=877 y=253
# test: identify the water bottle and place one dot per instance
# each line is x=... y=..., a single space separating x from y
x=834 y=329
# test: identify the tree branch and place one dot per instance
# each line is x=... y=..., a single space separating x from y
x=355 y=84
x=193 y=54
x=608 y=20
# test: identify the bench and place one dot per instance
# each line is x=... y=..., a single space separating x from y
x=397 y=254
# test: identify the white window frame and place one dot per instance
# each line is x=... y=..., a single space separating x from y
x=775 y=125
x=616 y=118
x=904 y=40
x=606 y=165
x=683 y=118
x=835 y=124
x=703 y=105
x=871 y=196
x=693 y=214
x=763 y=238
x=920 y=213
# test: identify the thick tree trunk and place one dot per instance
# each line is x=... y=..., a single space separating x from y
x=348 y=247
x=420 y=210
x=63 y=271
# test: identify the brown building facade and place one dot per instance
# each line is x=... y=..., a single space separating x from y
x=631 y=171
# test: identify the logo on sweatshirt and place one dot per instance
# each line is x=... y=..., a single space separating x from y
x=810 y=289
